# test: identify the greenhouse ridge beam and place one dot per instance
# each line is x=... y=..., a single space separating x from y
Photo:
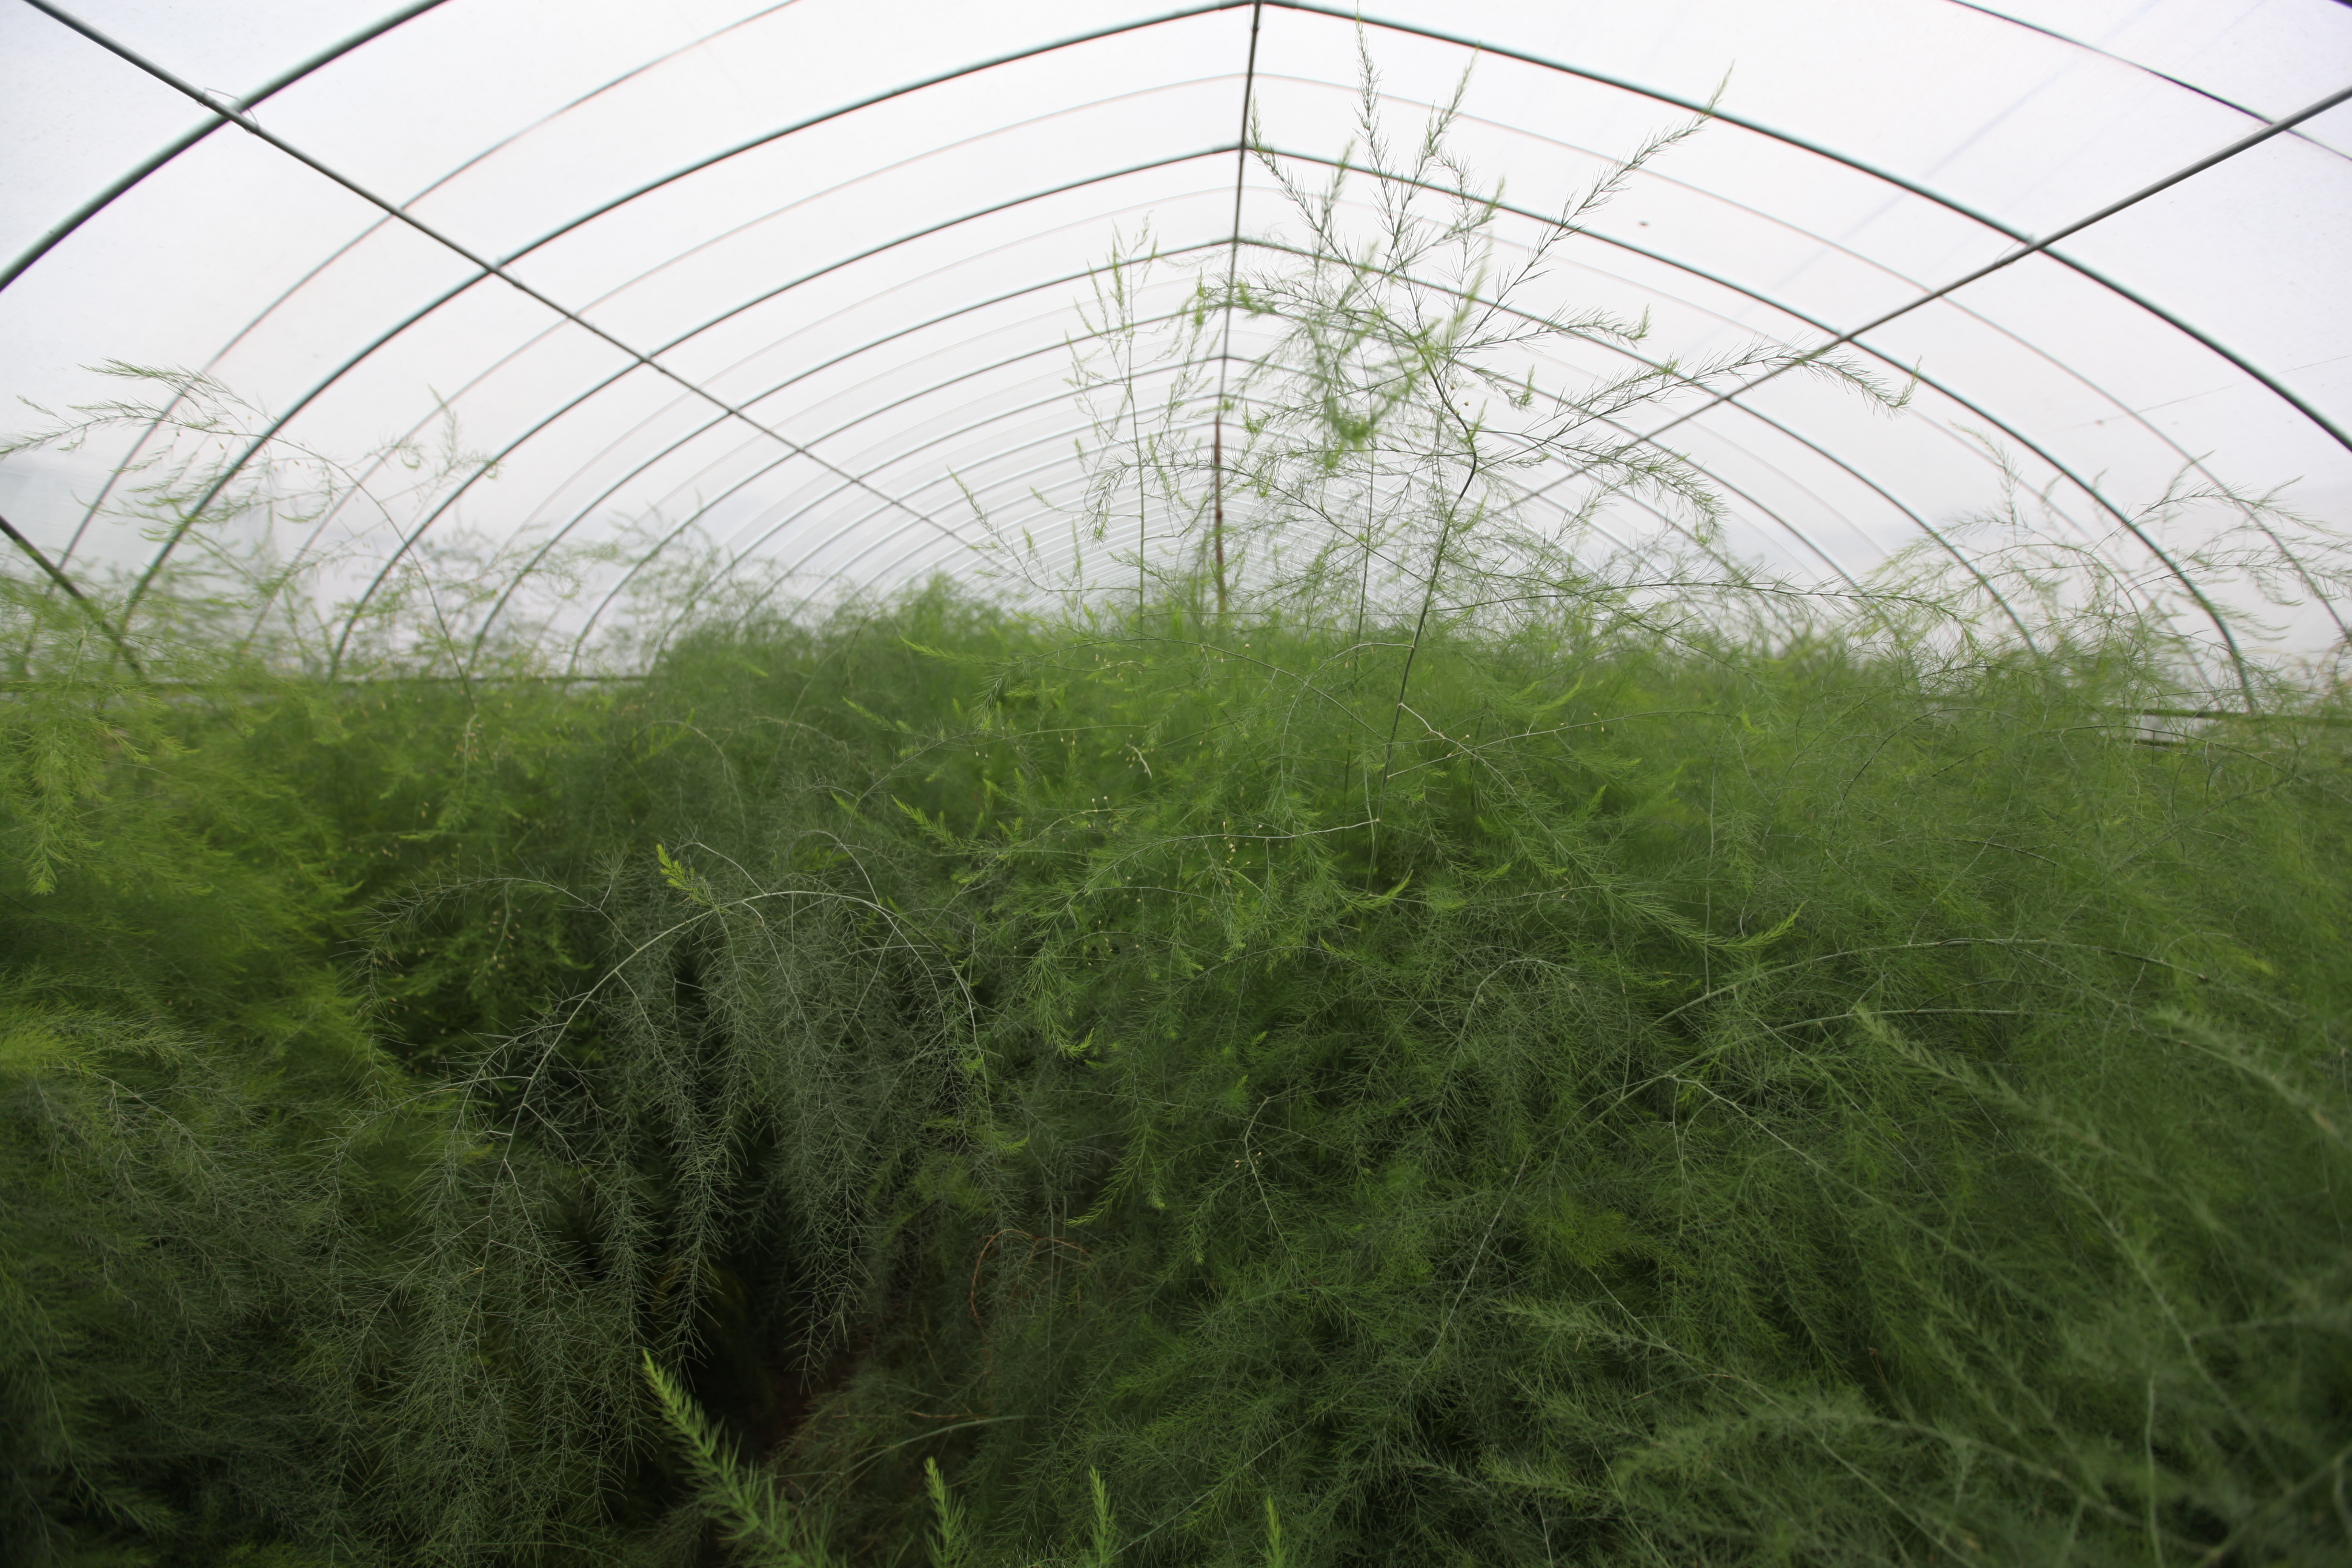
x=492 y=269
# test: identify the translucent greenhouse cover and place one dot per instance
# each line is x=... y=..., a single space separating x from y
x=801 y=287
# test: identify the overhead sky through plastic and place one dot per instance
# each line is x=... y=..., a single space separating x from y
x=802 y=278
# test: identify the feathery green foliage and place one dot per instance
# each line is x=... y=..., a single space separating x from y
x=757 y=1521
x=1404 y=1036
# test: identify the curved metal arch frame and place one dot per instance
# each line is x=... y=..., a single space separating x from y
x=753 y=476
x=691 y=250
x=1927 y=530
x=423 y=313
x=1177 y=366
x=2062 y=469
x=1729 y=399
x=1525 y=494
x=1306 y=6
x=1958 y=555
x=1664 y=517
x=1218 y=243
x=798 y=375
x=514 y=354
x=1767 y=510
x=2043 y=245
x=488 y=268
x=1434 y=35
x=2189 y=460
x=1053 y=438
x=2003 y=426
x=2089 y=48
x=33 y=553
x=646 y=362
x=400 y=16
x=1065 y=433
x=1059 y=435
x=587 y=509
x=1014 y=411
x=416 y=316
x=58 y=232
x=1690 y=270
x=1694 y=272
x=836 y=264
x=643 y=358
x=1926 y=193
x=91 y=514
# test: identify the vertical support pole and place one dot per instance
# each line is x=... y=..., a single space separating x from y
x=1226 y=347
x=1217 y=471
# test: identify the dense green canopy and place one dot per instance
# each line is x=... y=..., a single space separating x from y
x=1407 y=1029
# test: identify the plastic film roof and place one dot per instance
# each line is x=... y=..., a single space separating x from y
x=801 y=283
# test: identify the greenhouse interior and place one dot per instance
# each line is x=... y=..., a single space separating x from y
x=632 y=928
